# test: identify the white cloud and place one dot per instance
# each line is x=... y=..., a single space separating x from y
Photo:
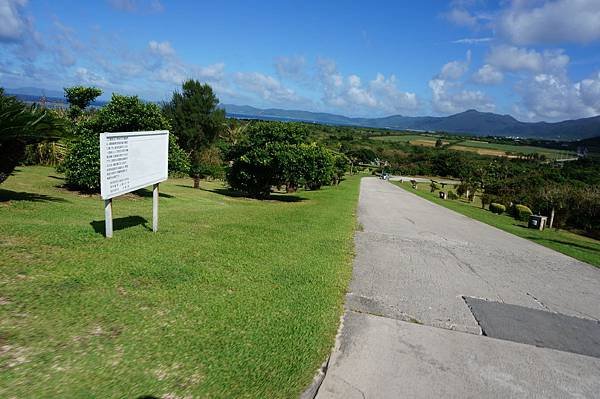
x=552 y=22
x=266 y=87
x=293 y=67
x=511 y=58
x=13 y=23
x=163 y=49
x=448 y=95
x=447 y=100
x=552 y=97
x=455 y=69
x=137 y=5
x=473 y=40
x=88 y=77
x=488 y=75
x=351 y=95
x=462 y=17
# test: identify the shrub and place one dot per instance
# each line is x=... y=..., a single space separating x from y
x=497 y=208
x=22 y=125
x=121 y=114
x=318 y=165
x=452 y=195
x=273 y=154
x=521 y=212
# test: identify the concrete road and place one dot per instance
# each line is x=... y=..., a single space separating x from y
x=408 y=332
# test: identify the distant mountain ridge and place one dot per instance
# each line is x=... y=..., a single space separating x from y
x=468 y=122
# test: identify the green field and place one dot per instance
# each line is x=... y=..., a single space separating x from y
x=232 y=297
x=510 y=148
x=579 y=247
x=405 y=138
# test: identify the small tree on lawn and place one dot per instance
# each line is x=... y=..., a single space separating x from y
x=274 y=154
x=196 y=121
x=79 y=97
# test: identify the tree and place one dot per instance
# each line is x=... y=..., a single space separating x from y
x=21 y=125
x=196 y=121
x=121 y=114
x=275 y=154
x=79 y=97
x=439 y=143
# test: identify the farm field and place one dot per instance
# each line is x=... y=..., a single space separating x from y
x=425 y=140
x=405 y=138
x=579 y=247
x=232 y=297
x=498 y=149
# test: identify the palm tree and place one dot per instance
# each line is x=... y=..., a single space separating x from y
x=21 y=125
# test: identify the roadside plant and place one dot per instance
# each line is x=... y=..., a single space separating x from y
x=521 y=212
x=497 y=208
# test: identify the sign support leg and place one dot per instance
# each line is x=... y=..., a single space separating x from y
x=155 y=207
x=108 y=225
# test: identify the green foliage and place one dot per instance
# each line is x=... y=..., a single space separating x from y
x=318 y=162
x=433 y=186
x=47 y=154
x=121 y=114
x=497 y=208
x=274 y=154
x=439 y=143
x=340 y=166
x=79 y=97
x=486 y=199
x=452 y=195
x=196 y=122
x=521 y=212
x=179 y=162
x=22 y=125
x=210 y=164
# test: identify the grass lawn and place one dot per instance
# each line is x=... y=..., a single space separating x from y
x=579 y=247
x=232 y=297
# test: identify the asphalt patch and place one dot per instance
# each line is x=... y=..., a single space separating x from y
x=536 y=327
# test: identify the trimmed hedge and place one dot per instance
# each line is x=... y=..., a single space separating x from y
x=522 y=212
x=497 y=208
x=452 y=195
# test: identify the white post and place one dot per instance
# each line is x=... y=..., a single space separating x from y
x=155 y=207
x=108 y=225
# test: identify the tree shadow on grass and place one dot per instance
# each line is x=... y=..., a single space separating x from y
x=228 y=192
x=145 y=193
x=8 y=195
x=120 y=224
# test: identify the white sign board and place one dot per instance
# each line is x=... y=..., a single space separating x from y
x=132 y=160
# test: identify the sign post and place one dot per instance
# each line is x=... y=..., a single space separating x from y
x=155 y=208
x=130 y=161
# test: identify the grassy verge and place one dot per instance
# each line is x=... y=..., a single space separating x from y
x=579 y=247
x=231 y=298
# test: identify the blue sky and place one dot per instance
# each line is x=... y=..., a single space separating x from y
x=535 y=60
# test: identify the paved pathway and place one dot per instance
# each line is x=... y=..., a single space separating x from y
x=408 y=332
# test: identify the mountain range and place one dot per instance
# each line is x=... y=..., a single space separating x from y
x=470 y=122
